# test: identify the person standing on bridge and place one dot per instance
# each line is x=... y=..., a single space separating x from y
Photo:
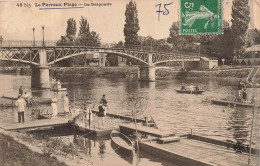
x=21 y=108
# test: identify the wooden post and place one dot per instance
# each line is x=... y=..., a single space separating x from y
x=89 y=122
x=146 y=121
x=191 y=131
x=132 y=115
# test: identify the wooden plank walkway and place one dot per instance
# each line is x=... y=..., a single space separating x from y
x=117 y=116
x=126 y=128
x=193 y=152
x=55 y=121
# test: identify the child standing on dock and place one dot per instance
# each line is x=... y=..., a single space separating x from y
x=21 y=108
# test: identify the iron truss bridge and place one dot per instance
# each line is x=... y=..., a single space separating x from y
x=54 y=54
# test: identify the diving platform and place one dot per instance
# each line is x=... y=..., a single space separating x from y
x=52 y=122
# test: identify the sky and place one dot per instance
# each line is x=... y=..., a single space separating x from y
x=16 y=22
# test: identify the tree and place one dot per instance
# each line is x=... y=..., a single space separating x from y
x=131 y=24
x=240 y=20
x=218 y=45
x=85 y=37
x=182 y=42
x=70 y=38
x=71 y=27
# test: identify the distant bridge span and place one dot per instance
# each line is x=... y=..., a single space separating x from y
x=32 y=55
x=41 y=57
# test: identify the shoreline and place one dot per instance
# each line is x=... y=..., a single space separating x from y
x=37 y=151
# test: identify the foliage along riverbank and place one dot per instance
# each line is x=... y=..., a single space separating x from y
x=161 y=74
x=20 y=148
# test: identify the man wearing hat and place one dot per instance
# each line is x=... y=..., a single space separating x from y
x=21 y=108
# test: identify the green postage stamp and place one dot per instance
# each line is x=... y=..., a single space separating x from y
x=201 y=17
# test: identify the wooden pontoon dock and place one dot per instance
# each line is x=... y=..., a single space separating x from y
x=191 y=151
x=52 y=122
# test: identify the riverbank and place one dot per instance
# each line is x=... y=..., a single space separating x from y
x=162 y=73
x=20 y=148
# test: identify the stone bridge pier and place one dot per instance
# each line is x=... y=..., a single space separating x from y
x=40 y=78
x=147 y=72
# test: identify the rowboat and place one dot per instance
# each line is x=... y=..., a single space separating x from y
x=72 y=83
x=232 y=103
x=32 y=100
x=6 y=105
x=189 y=91
x=253 y=86
x=121 y=140
x=59 y=89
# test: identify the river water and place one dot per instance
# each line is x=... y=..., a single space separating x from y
x=178 y=113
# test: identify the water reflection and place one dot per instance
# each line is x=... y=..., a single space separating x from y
x=238 y=122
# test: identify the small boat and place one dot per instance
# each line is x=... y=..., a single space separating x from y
x=59 y=89
x=32 y=100
x=232 y=103
x=121 y=140
x=6 y=105
x=72 y=83
x=253 y=86
x=189 y=91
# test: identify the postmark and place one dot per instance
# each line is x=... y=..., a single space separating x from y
x=201 y=17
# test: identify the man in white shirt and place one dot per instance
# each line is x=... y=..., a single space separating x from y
x=21 y=108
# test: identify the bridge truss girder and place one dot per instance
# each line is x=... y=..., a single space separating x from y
x=28 y=55
x=54 y=54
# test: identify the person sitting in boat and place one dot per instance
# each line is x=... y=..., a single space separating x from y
x=197 y=88
x=101 y=114
x=253 y=99
x=238 y=96
x=241 y=85
x=191 y=87
x=58 y=84
x=183 y=87
x=53 y=82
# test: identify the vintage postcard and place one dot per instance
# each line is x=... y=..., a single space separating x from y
x=129 y=82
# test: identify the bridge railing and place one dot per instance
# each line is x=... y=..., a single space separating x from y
x=161 y=49
x=27 y=43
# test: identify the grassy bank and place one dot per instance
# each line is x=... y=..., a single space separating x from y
x=13 y=153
